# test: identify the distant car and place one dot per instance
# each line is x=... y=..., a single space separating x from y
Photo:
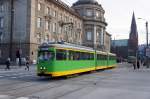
x=131 y=59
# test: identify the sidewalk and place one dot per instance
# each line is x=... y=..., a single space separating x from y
x=130 y=66
x=2 y=67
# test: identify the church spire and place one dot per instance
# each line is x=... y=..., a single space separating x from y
x=133 y=39
x=133 y=32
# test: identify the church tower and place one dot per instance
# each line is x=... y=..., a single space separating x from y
x=133 y=38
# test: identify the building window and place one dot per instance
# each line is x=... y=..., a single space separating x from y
x=39 y=6
x=54 y=27
x=89 y=35
x=97 y=14
x=1 y=34
x=101 y=37
x=39 y=22
x=54 y=13
x=89 y=13
x=47 y=10
x=1 y=7
x=1 y=22
x=47 y=25
x=39 y=38
x=47 y=38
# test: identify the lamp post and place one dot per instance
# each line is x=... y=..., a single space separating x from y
x=0 y=44
x=146 y=24
x=11 y=29
x=146 y=34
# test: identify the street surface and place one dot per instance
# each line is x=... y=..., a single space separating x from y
x=120 y=83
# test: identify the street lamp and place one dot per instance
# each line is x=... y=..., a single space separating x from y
x=146 y=24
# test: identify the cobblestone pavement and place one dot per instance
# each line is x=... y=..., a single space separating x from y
x=120 y=83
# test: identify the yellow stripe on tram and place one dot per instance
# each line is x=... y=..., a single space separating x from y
x=63 y=73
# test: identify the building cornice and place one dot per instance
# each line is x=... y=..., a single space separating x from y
x=108 y=33
x=91 y=20
x=61 y=4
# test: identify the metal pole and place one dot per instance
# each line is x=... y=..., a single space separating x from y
x=147 y=63
x=11 y=28
x=146 y=33
x=95 y=44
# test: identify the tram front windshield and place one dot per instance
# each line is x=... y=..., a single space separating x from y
x=45 y=55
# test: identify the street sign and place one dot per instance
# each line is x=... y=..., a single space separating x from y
x=148 y=52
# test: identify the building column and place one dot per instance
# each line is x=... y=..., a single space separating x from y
x=95 y=34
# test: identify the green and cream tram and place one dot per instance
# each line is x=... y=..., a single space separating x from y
x=66 y=59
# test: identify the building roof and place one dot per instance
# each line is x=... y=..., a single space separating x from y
x=121 y=42
x=108 y=33
x=80 y=2
x=66 y=7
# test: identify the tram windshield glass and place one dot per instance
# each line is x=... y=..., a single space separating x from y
x=46 y=55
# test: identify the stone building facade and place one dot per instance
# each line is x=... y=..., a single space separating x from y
x=35 y=22
x=107 y=42
x=93 y=21
x=38 y=21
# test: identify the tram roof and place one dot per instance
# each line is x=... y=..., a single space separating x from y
x=101 y=52
x=69 y=46
x=74 y=47
x=111 y=54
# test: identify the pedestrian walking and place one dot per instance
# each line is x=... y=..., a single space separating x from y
x=134 y=64
x=20 y=62
x=27 y=63
x=138 y=64
x=7 y=64
x=17 y=61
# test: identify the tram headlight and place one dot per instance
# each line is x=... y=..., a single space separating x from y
x=44 y=68
x=41 y=68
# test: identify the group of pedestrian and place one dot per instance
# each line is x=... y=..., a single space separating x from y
x=27 y=63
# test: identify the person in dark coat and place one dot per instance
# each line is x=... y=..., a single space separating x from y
x=138 y=64
x=134 y=64
x=7 y=64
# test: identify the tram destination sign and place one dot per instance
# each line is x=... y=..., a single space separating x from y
x=44 y=49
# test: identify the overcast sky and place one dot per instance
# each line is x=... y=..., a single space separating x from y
x=118 y=14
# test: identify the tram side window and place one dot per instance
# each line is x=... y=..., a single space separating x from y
x=91 y=56
x=98 y=57
x=86 y=56
x=83 y=56
x=112 y=58
x=61 y=55
x=103 y=57
x=80 y=55
x=73 y=55
x=45 y=55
